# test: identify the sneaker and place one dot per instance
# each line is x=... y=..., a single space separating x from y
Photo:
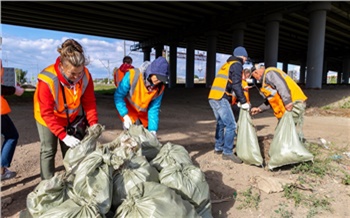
x=8 y=174
x=232 y=157
x=217 y=152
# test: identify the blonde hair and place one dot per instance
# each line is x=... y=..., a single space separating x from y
x=71 y=51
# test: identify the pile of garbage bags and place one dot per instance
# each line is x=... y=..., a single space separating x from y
x=132 y=176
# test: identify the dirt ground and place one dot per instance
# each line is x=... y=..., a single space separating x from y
x=187 y=119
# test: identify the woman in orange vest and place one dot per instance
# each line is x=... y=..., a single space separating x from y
x=119 y=73
x=8 y=129
x=281 y=93
x=139 y=94
x=69 y=75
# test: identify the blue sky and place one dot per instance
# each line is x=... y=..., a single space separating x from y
x=32 y=50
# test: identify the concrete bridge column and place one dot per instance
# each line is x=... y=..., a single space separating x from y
x=159 y=50
x=346 y=70
x=315 y=52
x=211 y=58
x=285 y=67
x=173 y=65
x=302 y=72
x=238 y=35
x=146 y=53
x=190 y=62
x=271 y=39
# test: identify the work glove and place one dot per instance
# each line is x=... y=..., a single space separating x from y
x=127 y=122
x=244 y=106
x=71 y=141
x=19 y=91
x=144 y=66
x=153 y=133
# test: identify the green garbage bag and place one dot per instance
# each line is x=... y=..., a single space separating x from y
x=131 y=173
x=247 y=147
x=47 y=194
x=286 y=147
x=188 y=181
x=149 y=143
x=75 y=155
x=169 y=154
x=151 y=199
x=78 y=208
x=93 y=180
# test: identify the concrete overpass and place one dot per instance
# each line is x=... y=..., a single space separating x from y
x=314 y=35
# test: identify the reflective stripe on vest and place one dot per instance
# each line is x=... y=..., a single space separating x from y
x=118 y=76
x=139 y=97
x=220 y=82
x=49 y=76
x=274 y=98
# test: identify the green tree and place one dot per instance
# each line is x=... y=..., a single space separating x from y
x=21 y=76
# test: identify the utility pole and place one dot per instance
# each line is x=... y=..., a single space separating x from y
x=107 y=67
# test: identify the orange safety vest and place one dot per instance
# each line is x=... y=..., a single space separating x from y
x=245 y=92
x=139 y=97
x=49 y=76
x=220 y=82
x=118 y=76
x=274 y=98
x=5 y=107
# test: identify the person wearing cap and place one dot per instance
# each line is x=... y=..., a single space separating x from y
x=282 y=94
x=139 y=94
x=228 y=80
x=119 y=73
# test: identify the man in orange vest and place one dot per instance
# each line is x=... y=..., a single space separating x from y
x=119 y=73
x=139 y=94
x=8 y=129
x=228 y=80
x=281 y=93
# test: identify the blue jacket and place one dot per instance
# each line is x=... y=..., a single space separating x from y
x=153 y=108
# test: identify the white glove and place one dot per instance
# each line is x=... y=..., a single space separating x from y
x=71 y=141
x=144 y=66
x=245 y=106
x=154 y=133
x=127 y=122
x=19 y=91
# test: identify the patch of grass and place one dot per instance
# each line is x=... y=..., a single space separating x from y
x=250 y=200
x=282 y=211
x=346 y=180
x=318 y=167
x=346 y=104
x=316 y=204
x=104 y=89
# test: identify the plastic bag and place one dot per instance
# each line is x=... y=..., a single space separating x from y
x=131 y=173
x=189 y=182
x=151 y=199
x=247 y=147
x=170 y=154
x=285 y=147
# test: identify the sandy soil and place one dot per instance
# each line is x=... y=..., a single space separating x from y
x=187 y=119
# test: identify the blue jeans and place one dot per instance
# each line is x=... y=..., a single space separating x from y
x=9 y=131
x=224 y=138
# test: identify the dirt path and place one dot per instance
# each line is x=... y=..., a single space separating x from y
x=187 y=119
